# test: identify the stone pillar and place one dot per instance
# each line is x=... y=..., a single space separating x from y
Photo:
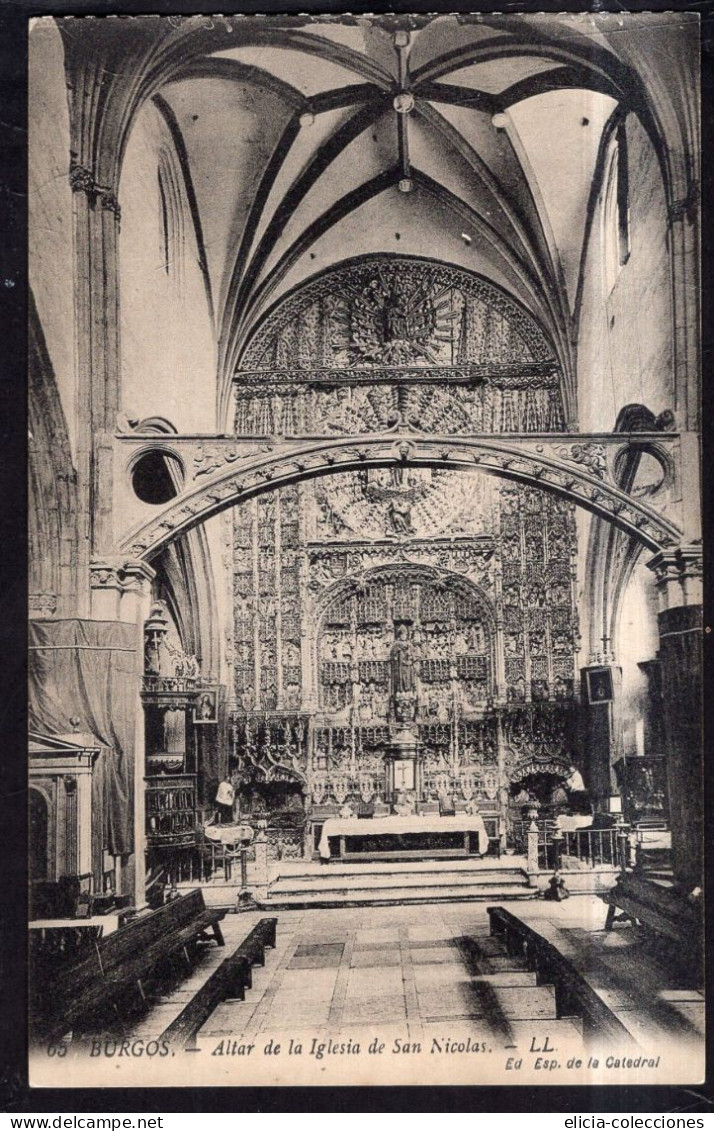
x=135 y=602
x=96 y=224
x=679 y=582
x=499 y=651
x=120 y=590
x=684 y=253
x=532 y=854
x=601 y=729
x=105 y=590
x=71 y=839
x=261 y=863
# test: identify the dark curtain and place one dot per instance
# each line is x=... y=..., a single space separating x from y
x=89 y=669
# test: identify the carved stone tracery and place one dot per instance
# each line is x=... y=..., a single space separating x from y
x=321 y=590
x=389 y=309
x=391 y=339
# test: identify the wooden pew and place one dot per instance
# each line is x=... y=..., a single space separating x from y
x=573 y=994
x=663 y=911
x=230 y=980
x=122 y=963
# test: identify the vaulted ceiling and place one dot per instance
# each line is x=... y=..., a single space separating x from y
x=470 y=141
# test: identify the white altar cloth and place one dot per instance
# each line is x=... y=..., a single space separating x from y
x=398 y=826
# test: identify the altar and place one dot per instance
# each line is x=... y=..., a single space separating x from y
x=463 y=835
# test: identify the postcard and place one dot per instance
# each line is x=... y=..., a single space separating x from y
x=365 y=524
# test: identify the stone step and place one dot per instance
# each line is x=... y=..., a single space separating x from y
x=313 y=864
x=396 y=895
x=522 y=1032
x=290 y=885
x=318 y=872
x=498 y=964
x=506 y=978
x=518 y=1003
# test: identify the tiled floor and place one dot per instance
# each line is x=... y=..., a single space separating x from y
x=352 y=972
x=406 y=971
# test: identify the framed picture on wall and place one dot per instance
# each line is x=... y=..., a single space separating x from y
x=206 y=710
x=599 y=682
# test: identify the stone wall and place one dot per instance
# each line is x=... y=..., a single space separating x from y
x=625 y=333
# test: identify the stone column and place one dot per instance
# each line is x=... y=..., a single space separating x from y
x=135 y=602
x=120 y=590
x=503 y=783
x=684 y=253
x=499 y=652
x=532 y=862
x=96 y=225
x=679 y=582
x=261 y=863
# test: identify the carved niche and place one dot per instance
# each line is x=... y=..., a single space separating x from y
x=267 y=604
x=540 y=625
x=439 y=625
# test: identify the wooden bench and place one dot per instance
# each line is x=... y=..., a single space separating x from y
x=573 y=993
x=230 y=980
x=123 y=963
x=663 y=911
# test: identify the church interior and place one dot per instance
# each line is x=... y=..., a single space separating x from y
x=365 y=582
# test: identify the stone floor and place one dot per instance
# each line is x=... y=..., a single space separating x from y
x=408 y=971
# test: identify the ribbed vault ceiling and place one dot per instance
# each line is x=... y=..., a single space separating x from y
x=295 y=151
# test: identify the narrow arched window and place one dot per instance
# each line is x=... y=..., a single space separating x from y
x=164 y=226
x=171 y=216
x=616 y=210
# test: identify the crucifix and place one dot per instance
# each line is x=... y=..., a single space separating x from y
x=403 y=773
x=403 y=104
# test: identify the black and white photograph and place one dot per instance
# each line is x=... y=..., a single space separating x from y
x=365 y=601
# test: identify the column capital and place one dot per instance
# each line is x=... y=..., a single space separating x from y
x=119 y=573
x=685 y=207
x=42 y=605
x=113 y=580
x=82 y=179
x=679 y=575
x=136 y=575
x=104 y=574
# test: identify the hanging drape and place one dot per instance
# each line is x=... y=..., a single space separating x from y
x=89 y=670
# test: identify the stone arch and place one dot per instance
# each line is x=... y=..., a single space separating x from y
x=348 y=585
x=611 y=555
x=547 y=463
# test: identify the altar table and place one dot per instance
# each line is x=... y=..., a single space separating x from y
x=468 y=824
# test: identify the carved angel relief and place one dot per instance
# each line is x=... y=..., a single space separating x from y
x=394 y=320
x=403 y=502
